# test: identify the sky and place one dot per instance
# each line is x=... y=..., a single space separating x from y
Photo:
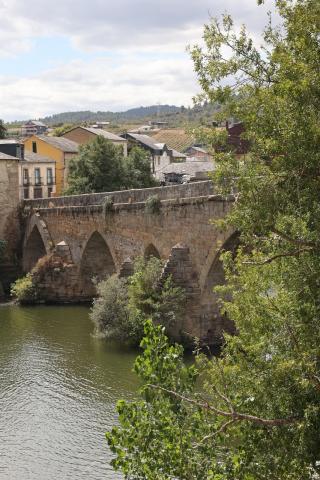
x=67 y=55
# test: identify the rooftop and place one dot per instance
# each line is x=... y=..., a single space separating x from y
x=37 y=123
x=147 y=141
x=64 y=144
x=13 y=141
x=4 y=156
x=100 y=131
x=36 y=158
x=174 y=138
x=193 y=169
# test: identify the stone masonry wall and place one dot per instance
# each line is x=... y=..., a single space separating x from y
x=196 y=189
x=181 y=232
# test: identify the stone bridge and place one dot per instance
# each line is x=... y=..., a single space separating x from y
x=73 y=239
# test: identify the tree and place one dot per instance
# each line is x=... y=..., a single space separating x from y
x=97 y=168
x=257 y=413
x=3 y=130
x=61 y=129
x=123 y=305
x=138 y=169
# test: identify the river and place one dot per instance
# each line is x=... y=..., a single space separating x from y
x=58 y=390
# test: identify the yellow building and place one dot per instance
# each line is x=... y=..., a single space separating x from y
x=85 y=135
x=57 y=148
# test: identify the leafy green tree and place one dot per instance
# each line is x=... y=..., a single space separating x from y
x=97 y=168
x=123 y=305
x=138 y=169
x=3 y=130
x=255 y=412
x=61 y=129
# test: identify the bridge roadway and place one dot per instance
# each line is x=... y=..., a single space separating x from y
x=72 y=239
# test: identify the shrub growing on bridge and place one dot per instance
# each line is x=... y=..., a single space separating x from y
x=123 y=305
x=24 y=290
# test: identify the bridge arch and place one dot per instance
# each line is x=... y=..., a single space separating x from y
x=37 y=243
x=212 y=316
x=151 y=251
x=96 y=263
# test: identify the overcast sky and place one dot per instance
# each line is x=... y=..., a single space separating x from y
x=64 y=55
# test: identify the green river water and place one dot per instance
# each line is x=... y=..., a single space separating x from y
x=58 y=390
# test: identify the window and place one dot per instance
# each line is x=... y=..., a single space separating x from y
x=37 y=178
x=34 y=147
x=37 y=192
x=25 y=176
x=26 y=193
x=49 y=176
x=50 y=192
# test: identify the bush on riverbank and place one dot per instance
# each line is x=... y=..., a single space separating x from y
x=24 y=290
x=123 y=305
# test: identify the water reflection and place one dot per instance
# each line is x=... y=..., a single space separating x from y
x=58 y=389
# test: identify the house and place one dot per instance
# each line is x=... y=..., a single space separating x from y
x=100 y=125
x=12 y=147
x=33 y=127
x=189 y=171
x=36 y=176
x=83 y=135
x=199 y=153
x=59 y=149
x=234 y=139
x=158 y=124
x=160 y=154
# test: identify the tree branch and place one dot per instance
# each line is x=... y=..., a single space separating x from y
x=295 y=241
x=280 y=255
x=273 y=422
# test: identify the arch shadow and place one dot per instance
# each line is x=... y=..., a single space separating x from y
x=151 y=251
x=37 y=242
x=96 y=264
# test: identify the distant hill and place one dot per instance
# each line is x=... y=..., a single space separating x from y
x=129 y=115
x=120 y=121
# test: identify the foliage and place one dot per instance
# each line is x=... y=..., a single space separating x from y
x=122 y=306
x=107 y=205
x=138 y=169
x=101 y=167
x=258 y=414
x=97 y=168
x=153 y=204
x=59 y=131
x=3 y=130
x=24 y=290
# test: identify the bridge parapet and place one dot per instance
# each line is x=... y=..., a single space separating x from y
x=194 y=189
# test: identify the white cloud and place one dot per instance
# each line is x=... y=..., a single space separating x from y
x=99 y=85
x=127 y=33
x=102 y=24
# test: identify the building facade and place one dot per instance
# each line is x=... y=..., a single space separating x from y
x=59 y=149
x=83 y=135
x=36 y=177
x=33 y=127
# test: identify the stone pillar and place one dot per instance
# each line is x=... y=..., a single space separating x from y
x=183 y=274
x=126 y=269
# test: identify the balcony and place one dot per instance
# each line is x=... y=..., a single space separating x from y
x=38 y=181
x=51 y=181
